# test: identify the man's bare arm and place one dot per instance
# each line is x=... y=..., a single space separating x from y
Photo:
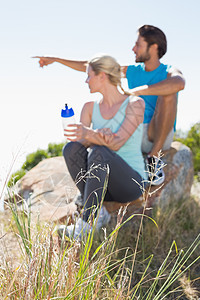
x=174 y=83
x=73 y=64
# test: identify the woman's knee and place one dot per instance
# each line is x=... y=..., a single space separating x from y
x=70 y=149
x=98 y=154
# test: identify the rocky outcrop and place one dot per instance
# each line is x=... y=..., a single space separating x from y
x=49 y=190
x=179 y=175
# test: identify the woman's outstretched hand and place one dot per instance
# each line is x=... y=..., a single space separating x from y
x=44 y=60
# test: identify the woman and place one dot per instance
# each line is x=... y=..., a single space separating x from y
x=105 y=145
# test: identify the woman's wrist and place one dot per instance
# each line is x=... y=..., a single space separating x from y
x=93 y=136
x=88 y=133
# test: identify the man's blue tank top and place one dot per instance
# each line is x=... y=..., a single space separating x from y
x=130 y=152
x=137 y=76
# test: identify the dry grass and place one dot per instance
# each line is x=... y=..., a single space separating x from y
x=35 y=266
x=179 y=222
x=137 y=258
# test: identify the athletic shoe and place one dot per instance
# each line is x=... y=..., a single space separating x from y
x=103 y=219
x=75 y=231
x=79 y=201
x=155 y=170
x=82 y=228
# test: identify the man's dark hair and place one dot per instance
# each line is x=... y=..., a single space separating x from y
x=153 y=35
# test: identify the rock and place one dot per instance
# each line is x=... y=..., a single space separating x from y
x=49 y=189
x=195 y=191
x=179 y=175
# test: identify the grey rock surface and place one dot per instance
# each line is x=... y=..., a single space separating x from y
x=179 y=174
x=48 y=190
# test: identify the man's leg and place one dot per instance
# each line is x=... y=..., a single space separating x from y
x=162 y=122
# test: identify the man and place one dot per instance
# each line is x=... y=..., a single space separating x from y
x=157 y=84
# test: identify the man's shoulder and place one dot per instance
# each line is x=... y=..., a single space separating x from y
x=135 y=68
x=166 y=67
x=140 y=68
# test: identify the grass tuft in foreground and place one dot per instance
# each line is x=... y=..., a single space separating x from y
x=161 y=263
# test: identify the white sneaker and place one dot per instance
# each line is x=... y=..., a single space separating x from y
x=75 y=231
x=103 y=218
x=79 y=201
x=155 y=170
x=82 y=228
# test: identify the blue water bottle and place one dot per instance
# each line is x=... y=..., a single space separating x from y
x=68 y=117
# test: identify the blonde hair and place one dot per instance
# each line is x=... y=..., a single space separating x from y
x=108 y=65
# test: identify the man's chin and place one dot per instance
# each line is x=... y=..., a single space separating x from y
x=138 y=60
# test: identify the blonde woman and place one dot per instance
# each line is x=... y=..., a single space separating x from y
x=106 y=142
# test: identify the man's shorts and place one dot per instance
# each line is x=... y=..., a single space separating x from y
x=147 y=145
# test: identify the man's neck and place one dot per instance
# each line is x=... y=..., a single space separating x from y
x=151 y=65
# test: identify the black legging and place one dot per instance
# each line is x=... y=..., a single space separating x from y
x=89 y=170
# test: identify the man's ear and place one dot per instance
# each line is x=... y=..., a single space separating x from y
x=154 y=47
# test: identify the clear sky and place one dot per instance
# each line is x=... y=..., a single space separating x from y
x=32 y=97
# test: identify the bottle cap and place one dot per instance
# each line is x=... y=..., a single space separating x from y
x=67 y=112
